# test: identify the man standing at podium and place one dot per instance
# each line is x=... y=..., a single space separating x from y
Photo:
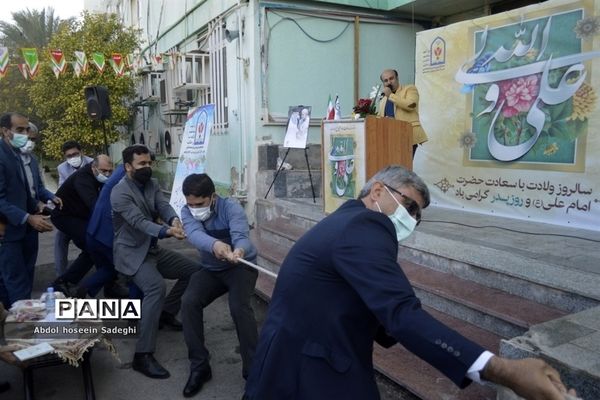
x=401 y=103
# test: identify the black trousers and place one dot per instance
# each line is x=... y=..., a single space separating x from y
x=75 y=228
x=204 y=287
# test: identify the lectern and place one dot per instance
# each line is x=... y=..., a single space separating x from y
x=354 y=150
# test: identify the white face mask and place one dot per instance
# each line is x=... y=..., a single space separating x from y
x=101 y=178
x=404 y=223
x=74 y=162
x=200 y=213
x=28 y=148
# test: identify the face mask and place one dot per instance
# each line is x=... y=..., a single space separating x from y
x=28 y=148
x=18 y=140
x=201 y=213
x=74 y=162
x=404 y=224
x=142 y=175
x=101 y=178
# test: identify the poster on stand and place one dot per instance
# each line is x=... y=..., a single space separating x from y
x=296 y=134
x=194 y=148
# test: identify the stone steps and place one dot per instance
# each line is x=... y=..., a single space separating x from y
x=487 y=285
x=407 y=370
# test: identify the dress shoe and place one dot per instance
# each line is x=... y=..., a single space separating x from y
x=169 y=320
x=4 y=387
x=196 y=380
x=146 y=364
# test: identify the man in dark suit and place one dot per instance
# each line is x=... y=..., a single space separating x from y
x=20 y=197
x=79 y=194
x=340 y=286
x=137 y=203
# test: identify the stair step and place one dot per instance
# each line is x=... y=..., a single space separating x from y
x=503 y=313
x=281 y=230
x=407 y=370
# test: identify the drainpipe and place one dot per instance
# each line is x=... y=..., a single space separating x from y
x=242 y=174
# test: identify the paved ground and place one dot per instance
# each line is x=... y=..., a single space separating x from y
x=114 y=379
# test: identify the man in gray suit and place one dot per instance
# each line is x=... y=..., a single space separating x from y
x=137 y=203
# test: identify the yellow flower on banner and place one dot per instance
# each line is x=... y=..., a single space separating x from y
x=551 y=149
x=584 y=102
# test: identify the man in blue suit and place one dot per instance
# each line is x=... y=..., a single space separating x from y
x=21 y=194
x=340 y=288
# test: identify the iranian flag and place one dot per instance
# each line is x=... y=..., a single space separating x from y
x=330 y=111
x=336 y=109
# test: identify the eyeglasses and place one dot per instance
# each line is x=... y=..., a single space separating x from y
x=410 y=204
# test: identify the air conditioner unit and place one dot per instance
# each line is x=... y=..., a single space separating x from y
x=167 y=96
x=150 y=86
x=173 y=137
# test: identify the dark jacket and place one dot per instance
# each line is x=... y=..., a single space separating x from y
x=15 y=198
x=337 y=286
x=79 y=194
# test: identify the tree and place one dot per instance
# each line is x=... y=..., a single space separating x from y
x=30 y=29
x=60 y=101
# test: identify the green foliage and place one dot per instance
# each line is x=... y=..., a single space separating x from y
x=30 y=29
x=60 y=103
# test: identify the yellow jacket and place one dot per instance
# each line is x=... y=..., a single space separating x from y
x=406 y=100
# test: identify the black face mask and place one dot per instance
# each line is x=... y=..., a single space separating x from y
x=142 y=175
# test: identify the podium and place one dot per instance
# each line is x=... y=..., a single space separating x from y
x=354 y=150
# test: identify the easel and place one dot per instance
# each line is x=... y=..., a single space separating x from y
x=312 y=187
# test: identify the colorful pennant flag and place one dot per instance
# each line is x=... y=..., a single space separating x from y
x=31 y=60
x=3 y=61
x=57 y=58
x=24 y=70
x=157 y=62
x=99 y=61
x=77 y=68
x=172 y=60
x=81 y=61
x=117 y=63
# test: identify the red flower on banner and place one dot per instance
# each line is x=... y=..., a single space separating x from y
x=518 y=94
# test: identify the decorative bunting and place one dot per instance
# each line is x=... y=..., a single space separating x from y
x=32 y=61
x=3 y=61
x=117 y=63
x=172 y=60
x=77 y=68
x=24 y=69
x=57 y=58
x=81 y=61
x=157 y=62
x=99 y=61
x=122 y=65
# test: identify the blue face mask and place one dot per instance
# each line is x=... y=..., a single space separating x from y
x=404 y=224
x=18 y=140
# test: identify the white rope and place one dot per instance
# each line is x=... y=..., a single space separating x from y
x=261 y=269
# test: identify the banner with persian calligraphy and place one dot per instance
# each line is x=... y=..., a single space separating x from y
x=510 y=105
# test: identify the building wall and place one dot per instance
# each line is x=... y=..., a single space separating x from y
x=290 y=53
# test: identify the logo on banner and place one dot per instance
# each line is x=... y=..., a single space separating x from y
x=437 y=52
